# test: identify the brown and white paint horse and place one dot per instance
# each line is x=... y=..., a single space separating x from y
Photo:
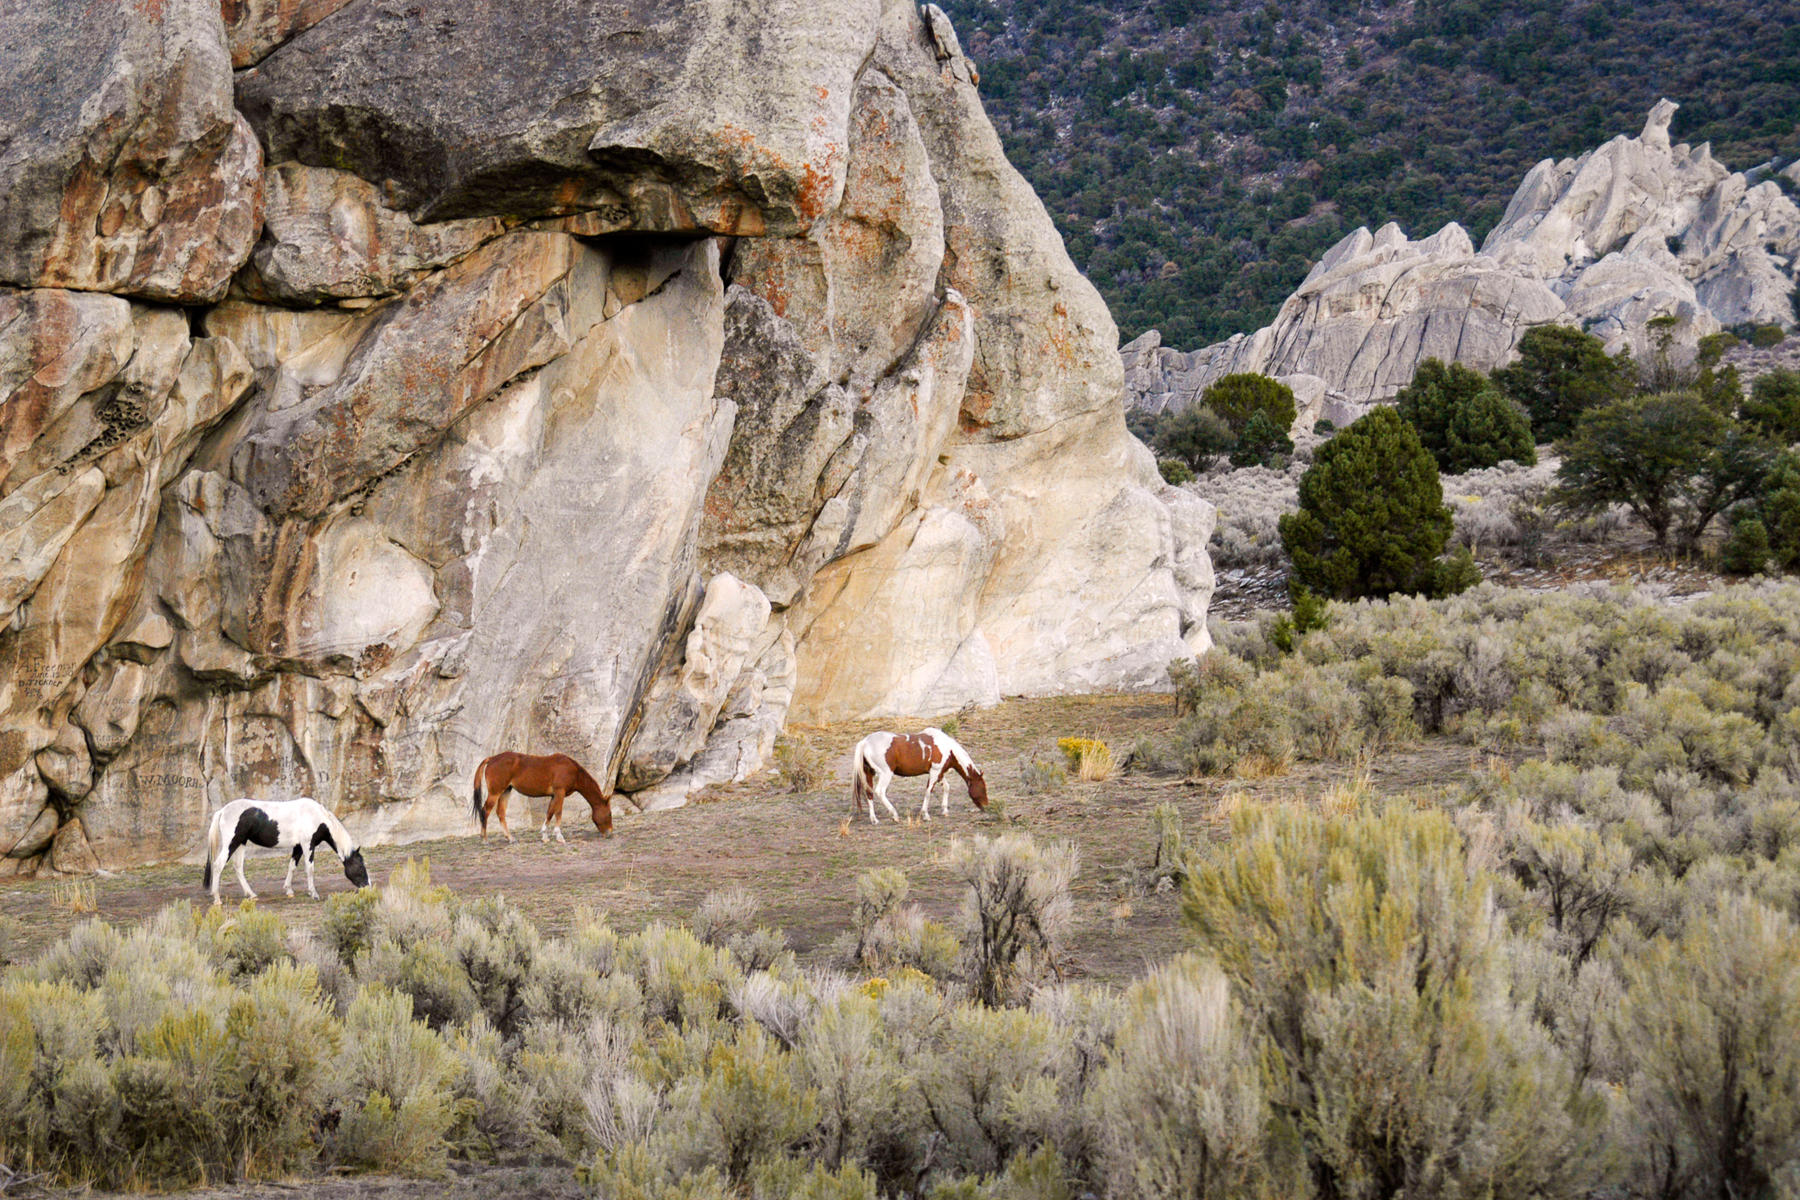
x=552 y=775
x=931 y=752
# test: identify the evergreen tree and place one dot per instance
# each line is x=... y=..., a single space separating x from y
x=1372 y=519
x=1485 y=430
x=1261 y=441
x=1435 y=392
x=1670 y=458
x=1195 y=435
x=1560 y=374
x=1777 y=510
x=1463 y=420
x=1238 y=398
x=1747 y=549
x=1774 y=405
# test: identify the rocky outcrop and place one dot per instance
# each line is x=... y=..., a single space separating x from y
x=1631 y=232
x=474 y=434
x=126 y=168
x=677 y=117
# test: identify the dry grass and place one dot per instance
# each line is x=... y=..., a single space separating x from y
x=75 y=895
x=1252 y=767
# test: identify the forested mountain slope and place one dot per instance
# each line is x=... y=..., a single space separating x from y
x=1197 y=157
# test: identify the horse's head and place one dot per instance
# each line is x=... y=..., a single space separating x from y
x=355 y=870
x=603 y=817
x=977 y=786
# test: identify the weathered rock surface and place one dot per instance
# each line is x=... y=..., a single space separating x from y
x=327 y=237
x=681 y=708
x=1632 y=231
x=124 y=168
x=669 y=117
x=255 y=27
x=491 y=445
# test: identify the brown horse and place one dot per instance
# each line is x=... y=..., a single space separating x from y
x=931 y=752
x=552 y=775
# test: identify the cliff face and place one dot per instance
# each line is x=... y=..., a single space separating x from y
x=1632 y=231
x=613 y=379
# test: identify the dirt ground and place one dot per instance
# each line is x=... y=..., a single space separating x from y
x=800 y=853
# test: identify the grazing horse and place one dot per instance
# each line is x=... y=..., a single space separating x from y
x=932 y=753
x=552 y=775
x=299 y=825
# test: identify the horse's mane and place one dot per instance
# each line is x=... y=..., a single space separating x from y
x=965 y=762
x=585 y=780
x=340 y=833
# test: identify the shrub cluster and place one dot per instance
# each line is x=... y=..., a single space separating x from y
x=1502 y=669
x=420 y=1027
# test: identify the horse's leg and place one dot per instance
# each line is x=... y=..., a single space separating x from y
x=218 y=872
x=311 y=889
x=500 y=810
x=556 y=807
x=242 y=853
x=287 y=885
x=884 y=777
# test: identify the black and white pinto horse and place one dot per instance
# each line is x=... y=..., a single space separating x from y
x=296 y=825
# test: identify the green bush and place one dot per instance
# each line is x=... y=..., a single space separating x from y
x=1261 y=442
x=786 y=1178
x=1715 y=1089
x=1239 y=399
x=1178 y=1110
x=282 y=1040
x=1560 y=374
x=1372 y=519
x=749 y=1104
x=1175 y=472
x=395 y=1078
x=1746 y=551
x=1402 y=1058
x=990 y=1085
x=848 y=1066
x=1779 y=509
x=1015 y=912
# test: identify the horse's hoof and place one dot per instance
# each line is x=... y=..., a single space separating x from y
x=289 y=895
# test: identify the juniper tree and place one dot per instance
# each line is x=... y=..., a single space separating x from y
x=1670 y=458
x=1372 y=520
x=1560 y=374
x=1195 y=435
x=1238 y=398
x=1774 y=406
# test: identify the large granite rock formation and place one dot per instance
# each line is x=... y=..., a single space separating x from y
x=475 y=432
x=1633 y=231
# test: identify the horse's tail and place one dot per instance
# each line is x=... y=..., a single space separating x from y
x=478 y=804
x=859 y=777
x=212 y=852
